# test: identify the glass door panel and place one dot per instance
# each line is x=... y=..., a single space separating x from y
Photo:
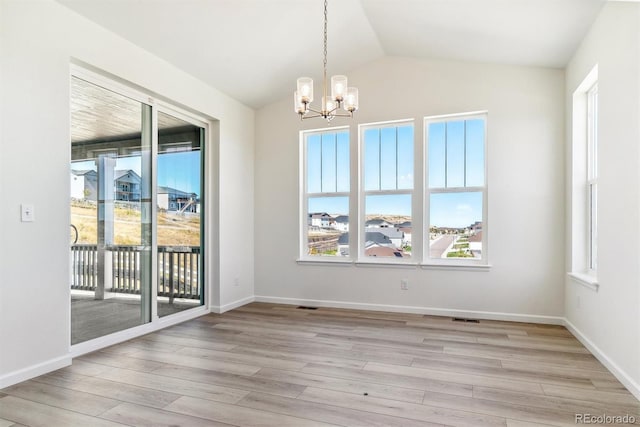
x=179 y=215
x=110 y=197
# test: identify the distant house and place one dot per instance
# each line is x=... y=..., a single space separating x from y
x=84 y=184
x=322 y=220
x=395 y=235
x=171 y=199
x=341 y=223
x=382 y=251
x=371 y=238
x=475 y=244
x=476 y=226
x=377 y=223
x=127 y=185
x=343 y=244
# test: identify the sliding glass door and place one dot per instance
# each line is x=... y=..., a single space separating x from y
x=179 y=214
x=136 y=211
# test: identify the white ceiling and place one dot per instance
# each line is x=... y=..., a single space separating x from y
x=253 y=50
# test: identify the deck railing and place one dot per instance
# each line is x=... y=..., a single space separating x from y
x=178 y=269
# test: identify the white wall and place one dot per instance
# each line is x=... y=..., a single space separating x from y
x=526 y=192
x=39 y=39
x=609 y=320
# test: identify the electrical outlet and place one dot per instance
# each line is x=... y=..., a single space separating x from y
x=578 y=301
x=404 y=284
x=236 y=281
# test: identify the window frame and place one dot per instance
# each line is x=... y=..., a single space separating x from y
x=582 y=166
x=363 y=193
x=592 y=180
x=305 y=196
x=209 y=201
x=484 y=189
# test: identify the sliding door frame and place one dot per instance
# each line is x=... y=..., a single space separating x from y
x=209 y=190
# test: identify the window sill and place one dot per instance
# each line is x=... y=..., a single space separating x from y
x=386 y=264
x=585 y=280
x=325 y=261
x=381 y=263
x=457 y=267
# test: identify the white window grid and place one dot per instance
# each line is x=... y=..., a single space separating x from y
x=427 y=260
x=306 y=195
x=379 y=192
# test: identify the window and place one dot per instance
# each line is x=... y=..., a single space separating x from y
x=368 y=213
x=326 y=187
x=584 y=186
x=592 y=176
x=455 y=191
x=387 y=196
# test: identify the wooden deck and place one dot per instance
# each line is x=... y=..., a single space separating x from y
x=274 y=365
x=92 y=318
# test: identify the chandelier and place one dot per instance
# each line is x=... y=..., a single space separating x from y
x=342 y=96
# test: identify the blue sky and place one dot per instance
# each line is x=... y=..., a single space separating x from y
x=455 y=159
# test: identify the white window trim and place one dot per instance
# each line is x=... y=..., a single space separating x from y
x=459 y=263
x=583 y=176
x=362 y=259
x=304 y=257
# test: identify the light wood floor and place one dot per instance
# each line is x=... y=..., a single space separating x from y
x=274 y=365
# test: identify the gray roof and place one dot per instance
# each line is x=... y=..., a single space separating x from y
x=376 y=221
x=169 y=190
x=392 y=233
x=342 y=219
x=370 y=236
x=118 y=174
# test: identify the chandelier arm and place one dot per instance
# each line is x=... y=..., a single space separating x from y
x=306 y=116
x=315 y=111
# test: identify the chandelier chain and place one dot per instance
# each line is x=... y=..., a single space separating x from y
x=325 y=34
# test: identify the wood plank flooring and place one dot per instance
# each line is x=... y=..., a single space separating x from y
x=276 y=365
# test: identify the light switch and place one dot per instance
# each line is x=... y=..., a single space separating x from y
x=27 y=213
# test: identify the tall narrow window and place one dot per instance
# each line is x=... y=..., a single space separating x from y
x=584 y=181
x=592 y=176
x=456 y=188
x=387 y=164
x=326 y=183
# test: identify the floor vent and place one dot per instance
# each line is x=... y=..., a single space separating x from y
x=304 y=307
x=462 y=319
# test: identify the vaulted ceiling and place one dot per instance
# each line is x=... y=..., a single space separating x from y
x=253 y=50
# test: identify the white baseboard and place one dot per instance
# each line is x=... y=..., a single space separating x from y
x=486 y=315
x=33 y=371
x=97 y=344
x=621 y=375
x=235 y=304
